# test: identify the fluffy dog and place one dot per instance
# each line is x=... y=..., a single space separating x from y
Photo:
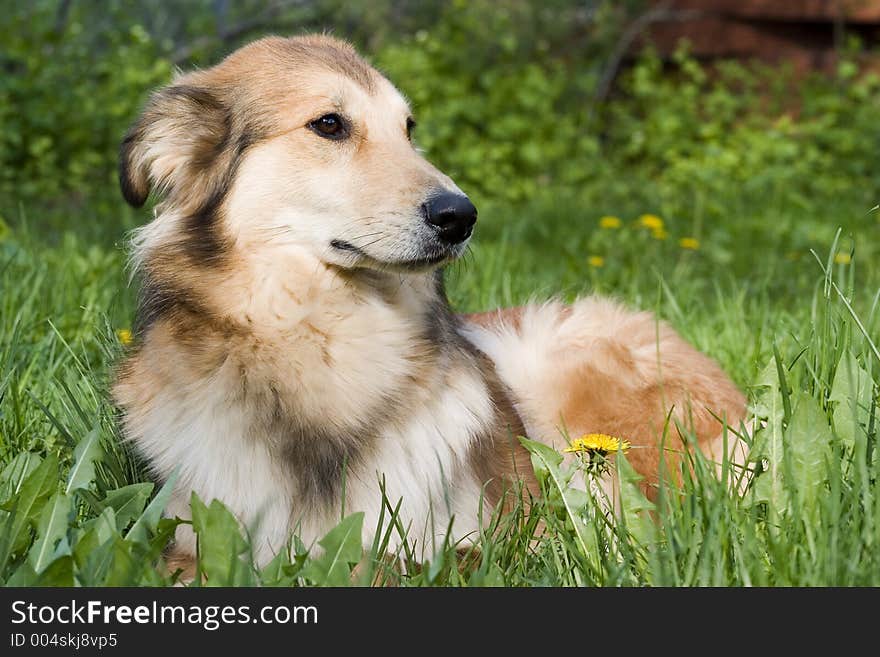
x=294 y=344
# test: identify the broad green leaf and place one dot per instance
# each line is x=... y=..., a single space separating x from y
x=546 y=462
x=51 y=528
x=544 y=457
x=99 y=560
x=87 y=452
x=15 y=472
x=768 y=451
x=124 y=569
x=769 y=376
x=147 y=523
x=58 y=573
x=808 y=441
x=128 y=502
x=105 y=524
x=221 y=544
x=25 y=507
x=342 y=547
x=24 y=575
x=273 y=572
x=635 y=508
x=852 y=392
x=163 y=534
x=280 y=571
x=94 y=533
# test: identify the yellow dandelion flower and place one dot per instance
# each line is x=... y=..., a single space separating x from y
x=610 y=222
x=597 y=443
x=651 y=221
x=842 y=258
x=689 y=243
x=596 y=261
x=659 y=233
x=124 y=336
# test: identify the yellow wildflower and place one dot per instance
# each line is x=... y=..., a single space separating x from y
x=124 y=336
x=597 y=443
x=659 y=234
x=842 y=258
x=651 y=221
x=690 y=243
x=609 y=222
x=596 y=261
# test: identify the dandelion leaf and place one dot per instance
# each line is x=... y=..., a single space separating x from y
x=852 y=395
x=51 y=528
x=342 y=547
x=221 y=544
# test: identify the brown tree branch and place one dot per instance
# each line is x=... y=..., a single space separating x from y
x=659 y=14
x=61 y=16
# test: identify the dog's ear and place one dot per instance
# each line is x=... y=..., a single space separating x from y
x=178 y=138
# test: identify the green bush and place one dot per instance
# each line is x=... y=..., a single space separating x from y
x=512 y=117
x=68 y=94
x=509 y=114
x=710 y=136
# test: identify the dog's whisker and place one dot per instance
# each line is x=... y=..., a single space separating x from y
x=469 y=253
x=375 y=241
x=360 y=237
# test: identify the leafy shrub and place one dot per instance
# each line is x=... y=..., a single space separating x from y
x=745 y=131
x=511 y=117
x=69 y=92
x=506 y=116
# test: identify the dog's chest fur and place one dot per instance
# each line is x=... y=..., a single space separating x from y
x=284 y=397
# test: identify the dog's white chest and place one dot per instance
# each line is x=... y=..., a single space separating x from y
x=424 y=464
x=420 y=459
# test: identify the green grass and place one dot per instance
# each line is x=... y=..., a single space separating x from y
x=799 y=333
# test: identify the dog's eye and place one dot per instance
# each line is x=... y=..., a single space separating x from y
x=410 y=126
x=331 y=126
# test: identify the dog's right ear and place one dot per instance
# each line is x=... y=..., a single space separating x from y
x=173 y=144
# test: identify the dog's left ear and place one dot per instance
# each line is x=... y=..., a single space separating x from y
x=178 y=139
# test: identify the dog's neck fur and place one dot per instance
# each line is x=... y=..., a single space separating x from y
x=332 y=375
x=289 y=319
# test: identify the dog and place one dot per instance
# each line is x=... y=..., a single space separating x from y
x=294 y=346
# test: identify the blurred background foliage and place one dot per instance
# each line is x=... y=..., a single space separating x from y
x=512 y=100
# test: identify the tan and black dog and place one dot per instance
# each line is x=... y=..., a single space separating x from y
x=294 y=342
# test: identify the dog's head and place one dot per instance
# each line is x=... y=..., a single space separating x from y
x=295 y=141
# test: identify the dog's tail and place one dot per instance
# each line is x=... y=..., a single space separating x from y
x=597 y=367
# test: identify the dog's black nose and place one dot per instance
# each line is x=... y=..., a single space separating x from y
x=453 y=214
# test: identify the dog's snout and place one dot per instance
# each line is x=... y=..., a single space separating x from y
x=453 y=215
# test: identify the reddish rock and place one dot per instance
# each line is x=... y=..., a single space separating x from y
x=806 y=33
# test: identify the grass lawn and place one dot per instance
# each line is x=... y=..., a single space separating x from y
x=799 y=333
